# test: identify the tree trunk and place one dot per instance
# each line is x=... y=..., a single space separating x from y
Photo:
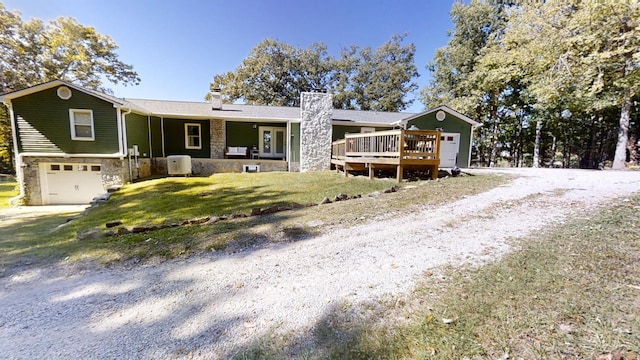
x=623 y=134
x=536 y=145
x=493 y=114
x=554 y=148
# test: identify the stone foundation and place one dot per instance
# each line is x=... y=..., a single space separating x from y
x=203 y=167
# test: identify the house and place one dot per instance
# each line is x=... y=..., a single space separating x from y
x=74 y=143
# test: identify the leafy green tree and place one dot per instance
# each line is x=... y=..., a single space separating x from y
x=34 y=52
x=456 y=79
x=276 y=73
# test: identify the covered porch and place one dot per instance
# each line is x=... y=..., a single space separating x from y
x=392 y=149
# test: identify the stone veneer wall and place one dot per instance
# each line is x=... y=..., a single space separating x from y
x=114 y=174
x=214 y=166
x=218 y=138
x=315 y=131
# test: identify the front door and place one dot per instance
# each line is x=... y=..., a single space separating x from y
x=449 y=148
x=273 y=142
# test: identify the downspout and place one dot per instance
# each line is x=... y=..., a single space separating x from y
x=18 y=157
x=124 y=141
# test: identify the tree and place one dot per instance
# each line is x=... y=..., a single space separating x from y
x=276 y=73
x=457 y=82
x=34 y=52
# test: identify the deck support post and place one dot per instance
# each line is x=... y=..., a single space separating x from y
x=399 y=173
x=371 y=171
x=434 y=172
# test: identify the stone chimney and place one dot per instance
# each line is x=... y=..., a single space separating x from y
x=315 y=131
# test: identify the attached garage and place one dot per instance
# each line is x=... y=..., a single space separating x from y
x=69 y=183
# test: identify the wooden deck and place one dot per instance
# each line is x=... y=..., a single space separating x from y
x=399 y=149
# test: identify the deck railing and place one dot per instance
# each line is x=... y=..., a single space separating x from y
x=415 y=144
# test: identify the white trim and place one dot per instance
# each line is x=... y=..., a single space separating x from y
x=72 y=123
x=120 y=136
x=125 y=143
x=61 y=89
x=54 y=83
x=443 y=108
x=367 y=130
x=64 y=155
x=187 y=136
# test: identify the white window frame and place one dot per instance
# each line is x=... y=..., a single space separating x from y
x=72 y=122
x=186 y=136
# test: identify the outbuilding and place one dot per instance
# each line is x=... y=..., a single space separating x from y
x=456 y=139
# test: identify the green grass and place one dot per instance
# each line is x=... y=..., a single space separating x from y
x=172 y=200
x=572 y=293
x=8 y=189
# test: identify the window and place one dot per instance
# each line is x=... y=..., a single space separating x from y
x=55 y=167
x=81 y=124
x=192 y=136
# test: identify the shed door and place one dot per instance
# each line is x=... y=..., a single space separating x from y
x=449 y=148
x=70 y=183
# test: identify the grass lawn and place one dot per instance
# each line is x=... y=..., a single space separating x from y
x=572 y=293
x=7 y=190
x=173 y=200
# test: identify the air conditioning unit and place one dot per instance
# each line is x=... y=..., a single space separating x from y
x=179 y=165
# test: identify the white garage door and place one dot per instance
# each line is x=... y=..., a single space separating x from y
x=70 y=183
x=449 y=148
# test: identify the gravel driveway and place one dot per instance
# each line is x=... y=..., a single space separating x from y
x=210 y=306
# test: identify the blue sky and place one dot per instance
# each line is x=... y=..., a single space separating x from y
x=178 y=46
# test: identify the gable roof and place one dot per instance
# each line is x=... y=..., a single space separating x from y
x=51 y=84
x=228 y=111
x=447 y=109
x=239 y=112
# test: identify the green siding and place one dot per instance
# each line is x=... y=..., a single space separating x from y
x=174 y=138
x=295 y=142
x=339 y=130
x=451 y=124
x=243 y=133
x=138 y=133
x=47 y=119
x=156 y=136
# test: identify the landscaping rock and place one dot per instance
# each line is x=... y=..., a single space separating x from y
x=213 y=220
x=90 y=234
x=113 y=223
x=271 y=210
x=443 y=173
x=392 y=189
x=325 y=201
x=123 y=231
x=201 y=220
x=341 y=197
x=143 y=228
